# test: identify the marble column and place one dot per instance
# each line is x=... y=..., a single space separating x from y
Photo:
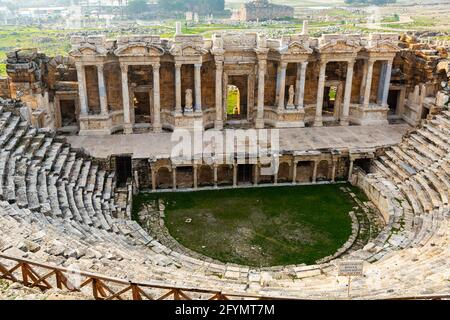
x=350 y=170
x=82 y=92
x=348 y=94
x=387 y=82
x=314 y=178
x=195 y=174
x=333 y=172
x=156 y=98
x=300 y=84
x=368 y=82
x=215 y=175
x=102 y=89
x=153 y=173
x=174 y=177
x=294 y=172
x=127 y=126
x=277 y=89
x=259 y=123
x=235 y=169
x=198 y=86
x=178 y=109
x=282 y=86
x=320 y=93
x=256 y=174
x=218 y=123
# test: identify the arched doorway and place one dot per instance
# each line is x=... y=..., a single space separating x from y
x=323 y=170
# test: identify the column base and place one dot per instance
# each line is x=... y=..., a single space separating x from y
x=127 y=128
x=259 y=123
x=318 y=122
x=157 y=128
x=218 y=124
x=344 y=122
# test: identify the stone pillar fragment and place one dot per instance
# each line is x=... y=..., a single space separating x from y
x=82 y=92
x=218 y=123
x=178 y=109
x=198 y=87
x=156 y=98
x=259 y=123
x=282 y=87
x=102 y=89
x=300 y=85
x=320 y=92
x=127 y=126
x=368 y=82
x=387 y=82
x=348 y=94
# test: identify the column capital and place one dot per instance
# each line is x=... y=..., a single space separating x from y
x=198 y=65
x=100 y=67
x=219 y=65
x=178 y=65
x=79 y=65
x=156 y=65
x=304 y=63
x=283 y=64
x=323 y=63
x=351 y=63
x=124 y=67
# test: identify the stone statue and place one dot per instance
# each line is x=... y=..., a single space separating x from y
x=290 y=103
x=188 y=99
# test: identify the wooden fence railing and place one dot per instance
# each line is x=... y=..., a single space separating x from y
x=45 y=276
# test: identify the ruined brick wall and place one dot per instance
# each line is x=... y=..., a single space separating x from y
x=208 y=84
x=263 y=10
x=167 y=84
x=4 y=88
x=113 y=86
x=271 y=80
x=92 y=89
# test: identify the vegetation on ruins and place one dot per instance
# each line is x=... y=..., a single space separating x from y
x=261 y=226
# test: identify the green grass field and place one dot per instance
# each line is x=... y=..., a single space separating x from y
x=259 y=226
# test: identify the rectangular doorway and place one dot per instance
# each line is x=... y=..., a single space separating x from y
x=142 y=107
x=329 y=101
x=245 y=173
x=237 y=97
x=393 y=102
x=123 y=170
x=68 y=113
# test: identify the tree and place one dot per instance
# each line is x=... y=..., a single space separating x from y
x=370 y=2
x=137 y=6
x=200 y=6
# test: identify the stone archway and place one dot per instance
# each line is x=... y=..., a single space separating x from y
x=323 y=170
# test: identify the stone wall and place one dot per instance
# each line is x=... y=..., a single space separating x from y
x=4 y=88
x=263 y=10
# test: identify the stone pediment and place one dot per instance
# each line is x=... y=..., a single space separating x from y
x=139 y=50
x=383 y=46
x=87 y=49
x=295 y=48
x=187 y=50
x=339 y=46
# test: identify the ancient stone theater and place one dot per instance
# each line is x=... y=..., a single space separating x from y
x=80 y=134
